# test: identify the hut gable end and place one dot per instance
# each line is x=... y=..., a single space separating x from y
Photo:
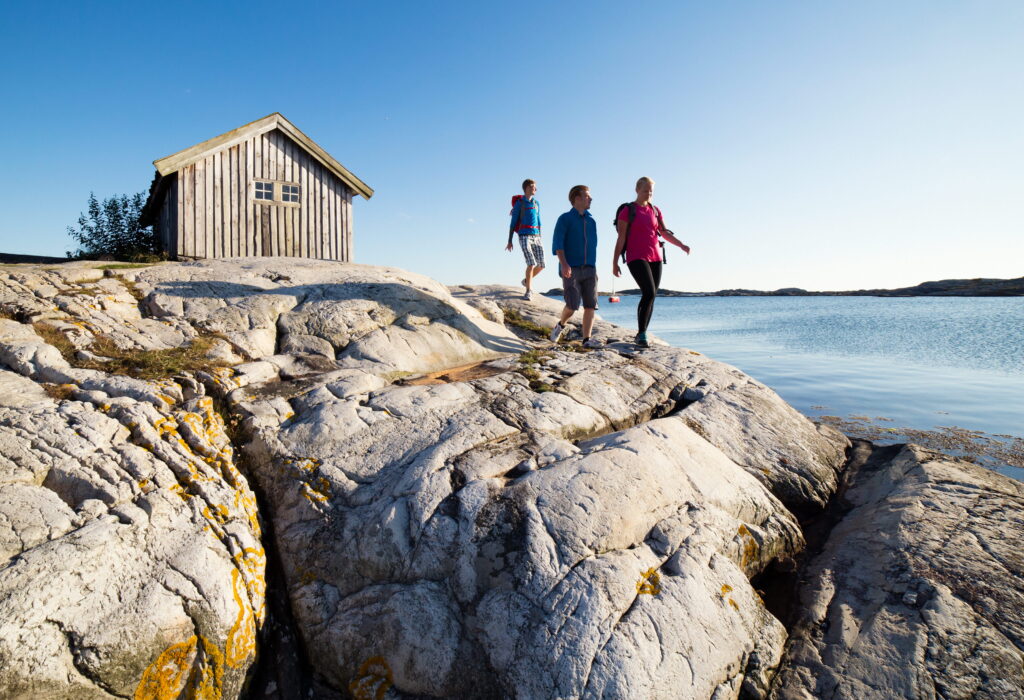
x=263 y=189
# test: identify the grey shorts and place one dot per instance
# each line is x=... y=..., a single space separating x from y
x=582 y=286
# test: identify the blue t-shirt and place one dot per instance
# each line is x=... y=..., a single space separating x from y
x=529 y=211
x=576 y=234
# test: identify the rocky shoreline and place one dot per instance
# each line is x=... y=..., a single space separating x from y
x=355 y=481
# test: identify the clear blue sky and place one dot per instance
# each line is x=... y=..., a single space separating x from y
x=825 y=145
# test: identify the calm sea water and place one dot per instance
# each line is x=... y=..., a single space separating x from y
x=922 y=362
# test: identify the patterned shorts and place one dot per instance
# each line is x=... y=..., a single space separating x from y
x=533 y=249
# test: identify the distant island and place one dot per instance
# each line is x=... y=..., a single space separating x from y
x=977 y=287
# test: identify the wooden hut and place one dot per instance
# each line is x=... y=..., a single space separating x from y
x=263 y=189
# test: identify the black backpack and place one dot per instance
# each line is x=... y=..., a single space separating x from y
x=629 y=225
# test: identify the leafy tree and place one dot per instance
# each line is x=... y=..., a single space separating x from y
x=112 y=229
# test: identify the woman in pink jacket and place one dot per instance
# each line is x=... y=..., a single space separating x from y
x=639 y=225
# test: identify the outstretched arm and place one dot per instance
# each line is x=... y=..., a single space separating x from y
x=671 y=238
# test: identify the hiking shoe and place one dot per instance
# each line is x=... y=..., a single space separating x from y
x=523 y=281
x=527 y=296
x=556 y=332
x=592 y=343
x=641 y=340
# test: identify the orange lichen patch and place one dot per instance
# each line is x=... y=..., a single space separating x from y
x=726 y=588
x=316 y=489
x=241 y=640
x=216 y=514
x=750 y=546
x=180 y=491
x=166 y=678
x=251 y=562
x=650 y=582
x=372 y=681
x=245 y=501
x=734 y=604
x=165 y=426
x=317 y=494
x=207 y=682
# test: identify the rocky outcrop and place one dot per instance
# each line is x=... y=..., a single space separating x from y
x=919 y=589
x=549 y=522
x=130 y=552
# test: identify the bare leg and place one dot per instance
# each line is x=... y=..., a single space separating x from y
x=531 y=272
x=566 y=315
x=588 y=322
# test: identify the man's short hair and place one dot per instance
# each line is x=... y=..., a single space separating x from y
x=645 y=179
x=527 y=182
x=576 y=192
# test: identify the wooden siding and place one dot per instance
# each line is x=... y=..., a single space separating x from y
x=166 y=223
x=213 y=213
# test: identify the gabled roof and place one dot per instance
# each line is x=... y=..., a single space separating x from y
x=174 y=163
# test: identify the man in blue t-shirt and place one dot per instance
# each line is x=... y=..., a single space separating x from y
x=526 y=222
x=575 y=244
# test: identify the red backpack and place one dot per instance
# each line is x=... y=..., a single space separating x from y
x=515 y=200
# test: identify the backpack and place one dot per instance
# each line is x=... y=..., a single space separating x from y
x=515 y=201
x=629 y=225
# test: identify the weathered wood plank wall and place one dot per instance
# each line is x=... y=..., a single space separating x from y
x=210 y=210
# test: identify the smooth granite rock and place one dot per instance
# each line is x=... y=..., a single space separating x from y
x=919 y=590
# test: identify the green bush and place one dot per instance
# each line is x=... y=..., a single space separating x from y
x=112 y=230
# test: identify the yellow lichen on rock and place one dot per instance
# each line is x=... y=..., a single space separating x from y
x=166 y=678
x=649 y=583
x=372 y=681
x=241 y=640
x=207 y=682
x=749 y=544
x=252 y=563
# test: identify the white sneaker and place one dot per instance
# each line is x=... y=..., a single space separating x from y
x=592 y=343
x=556 y=332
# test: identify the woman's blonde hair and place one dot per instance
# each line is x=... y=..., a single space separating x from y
x=645 y=179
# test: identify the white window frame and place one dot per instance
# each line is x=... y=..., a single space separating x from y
x=278 y=192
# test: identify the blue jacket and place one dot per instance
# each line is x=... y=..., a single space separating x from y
x=530 y=213
x=577 y=236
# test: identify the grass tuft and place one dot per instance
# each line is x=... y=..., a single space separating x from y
x=123 y=266
x=59 y=392
x=528 y=361
x=514 y=318
x=141 y=364
x=132 y=288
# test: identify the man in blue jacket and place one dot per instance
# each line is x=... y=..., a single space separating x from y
x=526 y=222
x=575 y=244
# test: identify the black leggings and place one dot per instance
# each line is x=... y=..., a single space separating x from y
x=648 y=278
